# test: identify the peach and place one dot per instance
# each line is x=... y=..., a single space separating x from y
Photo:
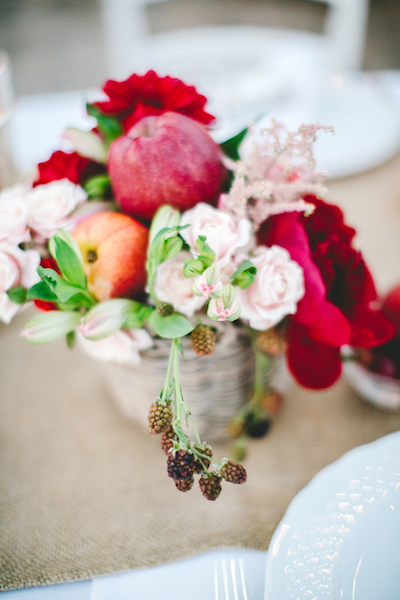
x=113 y=248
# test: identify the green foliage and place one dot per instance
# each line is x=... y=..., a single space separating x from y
x=244 y=275
x=173 y=326
x=17 y=294
x=109 y=126
x=231 y=147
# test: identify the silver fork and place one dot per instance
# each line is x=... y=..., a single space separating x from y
x=227 y=577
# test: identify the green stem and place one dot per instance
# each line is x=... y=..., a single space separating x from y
x=168 y=376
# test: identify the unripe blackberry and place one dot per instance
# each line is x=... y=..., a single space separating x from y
x=180 y=466
x=272 y=341
x=233 y=472
x=203 y=339
x=164 y=309
x=236 y=427
x=167 y=441
x=272 y=401
x=184 y=485
x=210 y=485
x=197 y=465
x=160 y=417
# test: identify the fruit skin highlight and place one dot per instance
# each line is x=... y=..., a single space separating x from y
x=113 y=248
x=166 y=159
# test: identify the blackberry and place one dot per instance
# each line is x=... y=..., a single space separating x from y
x=233 y=472
x=210 y=485
x=184 y=485
x=167 y=441
x=164 y=309
x=180 y=466
x=160 y=417
x=272 y=341
x=257 y=424
x=197 y=465
x=203 y=339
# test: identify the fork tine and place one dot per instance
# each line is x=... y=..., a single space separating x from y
x=221 y=579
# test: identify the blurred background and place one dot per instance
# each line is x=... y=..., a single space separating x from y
x=59 y=45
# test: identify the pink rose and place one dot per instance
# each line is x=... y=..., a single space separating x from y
x=14 y=215
x=17 y=267
x=278 y=286
x=50 y=206
x=172 y=286
x=122 y=347
x=223 y=234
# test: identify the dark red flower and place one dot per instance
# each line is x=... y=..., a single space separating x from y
x=338 y=305
x=149 y=94
x=67 y=165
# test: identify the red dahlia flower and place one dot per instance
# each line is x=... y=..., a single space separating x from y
x=143 y=95
x=337 y=307
x=67 y=165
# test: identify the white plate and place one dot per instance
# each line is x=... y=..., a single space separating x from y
x=365 y=114
x=340 y=537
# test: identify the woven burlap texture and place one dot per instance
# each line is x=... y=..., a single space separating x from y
x=85 y=492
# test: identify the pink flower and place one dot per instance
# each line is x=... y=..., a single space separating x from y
x=122 y=347
x=278 y=286
x=17 y=267
x=223 y=234
x=172 y=286
x=50 y=206
x=14 y=215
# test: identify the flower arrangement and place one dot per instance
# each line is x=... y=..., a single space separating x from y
x=147 y=228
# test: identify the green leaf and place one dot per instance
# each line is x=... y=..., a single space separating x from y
x=244 y=275
x=139 y=317
x=231 y=146
x=17 y=294
x=98 y=186
x=108 y=125
x=41 y=291
x=70 y=337
x=62 y=289
x=173 y=326
x=69 y=262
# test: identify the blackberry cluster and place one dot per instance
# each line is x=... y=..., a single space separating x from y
x=233 y=472
x=203 y=339
x=198 y=466
x=272 y=341
x=164 y=309
x=210 y=485
x=180 y=466
x=167 y=440
x=184 y=485
x=160 y=417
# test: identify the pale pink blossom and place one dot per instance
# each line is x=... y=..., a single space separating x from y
x=17 y=267
x=14 y=215
x=209 y=284
x=278 y=286
x=50 y=206
x=225 y=308
x=122 y=347
x=223 y=233
x=173 y=287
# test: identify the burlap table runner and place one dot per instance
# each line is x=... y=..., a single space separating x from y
x=84 y=492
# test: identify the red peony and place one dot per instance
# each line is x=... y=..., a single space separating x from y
x=338 y=305
x=143 y=95
x=67 y=165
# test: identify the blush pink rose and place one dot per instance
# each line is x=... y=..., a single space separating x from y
x=14 y=215
x=278 y=286
x=122 y=347
x=17 y=267
x=224 y=235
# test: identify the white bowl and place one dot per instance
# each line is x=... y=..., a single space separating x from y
x=378 y=389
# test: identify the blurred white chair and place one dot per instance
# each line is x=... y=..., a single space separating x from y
x=241 y=69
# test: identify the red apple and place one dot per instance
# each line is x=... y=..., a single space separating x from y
x=113 y=248
x=391 y=307
x=166 y=159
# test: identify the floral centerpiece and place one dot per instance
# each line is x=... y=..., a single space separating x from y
x=148 y=229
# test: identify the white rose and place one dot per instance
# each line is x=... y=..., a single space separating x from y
x=278 y=286
x=17 y=267
x=51 y=204
x=122 y=347
x=14 y=215
x=223 y=234
x=172 y=286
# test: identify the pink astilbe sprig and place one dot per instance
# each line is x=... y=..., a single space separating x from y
x=277 y=172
